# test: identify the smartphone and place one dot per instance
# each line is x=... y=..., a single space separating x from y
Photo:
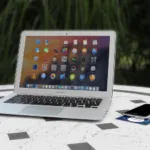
x=142 y=112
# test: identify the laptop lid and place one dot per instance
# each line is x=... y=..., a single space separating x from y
x=66 y=63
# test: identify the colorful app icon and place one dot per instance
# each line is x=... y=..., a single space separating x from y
x=94 y=51
x=73 y=68
x=38 y=41
x=53 y=76
x=84 y=42
x=93 y=68
x=33 y=76
x=84 y=51
x=36 y=58
x=54 y=59
x=72 y=76
x=92 y=77
x=56 y=50
x=37 y=50
x=34 y=67
x=63 y=67
x=94 y=42
x=82 y=76
x=44 y=67
x=46 y=42
x=83 y=68
x=83 y=60
x=62 y=76
x=43 y=75
x=46 y=50
x=53 y=67
x=75 y=42
x=65 y=51
x=74 y=59
x=64 y=59
x=93 y=59
x=74 y=50
x=65 y=42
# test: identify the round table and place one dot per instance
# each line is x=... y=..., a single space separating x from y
x=27 y=133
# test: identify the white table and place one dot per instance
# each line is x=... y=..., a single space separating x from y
x=23 y=133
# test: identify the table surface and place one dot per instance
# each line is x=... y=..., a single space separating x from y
x=23 y=133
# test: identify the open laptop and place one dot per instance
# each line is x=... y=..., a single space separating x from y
x=63 y=74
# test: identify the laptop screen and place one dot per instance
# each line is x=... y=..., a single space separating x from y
x=66 y=62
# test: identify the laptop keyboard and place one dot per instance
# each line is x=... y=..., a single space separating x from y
x=55 y=101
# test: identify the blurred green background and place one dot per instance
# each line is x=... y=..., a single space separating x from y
x=130 y=18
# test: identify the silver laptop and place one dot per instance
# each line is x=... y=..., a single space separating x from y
x=63 y=74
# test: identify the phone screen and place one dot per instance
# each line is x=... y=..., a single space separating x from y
x=143 y=111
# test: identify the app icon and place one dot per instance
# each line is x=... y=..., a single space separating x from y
x=73 y=68
x=37 y=41
x=53 y=76
x=93 y=59
x=55 y=50
x=94 y=51
x=82 y=76
x=65 y=42
x=34 y=67
x=64 y=59
x=46 y=50
x=46 y=42
x=93 y=88
x=75 y=42
x=83 y=60
x=36 y=58
x=44 y=67
x=72 y=76
x=54 y=59
x=93 y=68
x=37 y=50
x=82 y=68
x=43 y=75
x=74 y=59
x=33 y=76
x=84 y=42
x=65 y=51
x=74 y=50
x=92 y=77
x=94 y=42
x=63 y=68
x=53 y=67
x=62 y=76
x=84 y=50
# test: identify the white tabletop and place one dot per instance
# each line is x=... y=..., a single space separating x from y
x=23 y=133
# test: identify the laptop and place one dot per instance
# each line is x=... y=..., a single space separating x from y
x=63 y=74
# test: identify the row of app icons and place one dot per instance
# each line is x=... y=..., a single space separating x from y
x=63 y=68
x=66 y=42
x=65 y=50
x=62 y=76
x=89 y=88
x=64 y=59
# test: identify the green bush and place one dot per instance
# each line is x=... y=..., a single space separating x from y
x=19 y=15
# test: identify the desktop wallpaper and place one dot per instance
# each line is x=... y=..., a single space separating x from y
x=66 y=60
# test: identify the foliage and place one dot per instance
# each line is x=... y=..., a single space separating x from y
x=119 y=15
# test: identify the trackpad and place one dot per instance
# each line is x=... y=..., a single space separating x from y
x=35 y=110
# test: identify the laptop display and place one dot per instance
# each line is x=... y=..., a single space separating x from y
x=66 y=62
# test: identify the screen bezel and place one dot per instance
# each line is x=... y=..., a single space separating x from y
x=60 y=92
